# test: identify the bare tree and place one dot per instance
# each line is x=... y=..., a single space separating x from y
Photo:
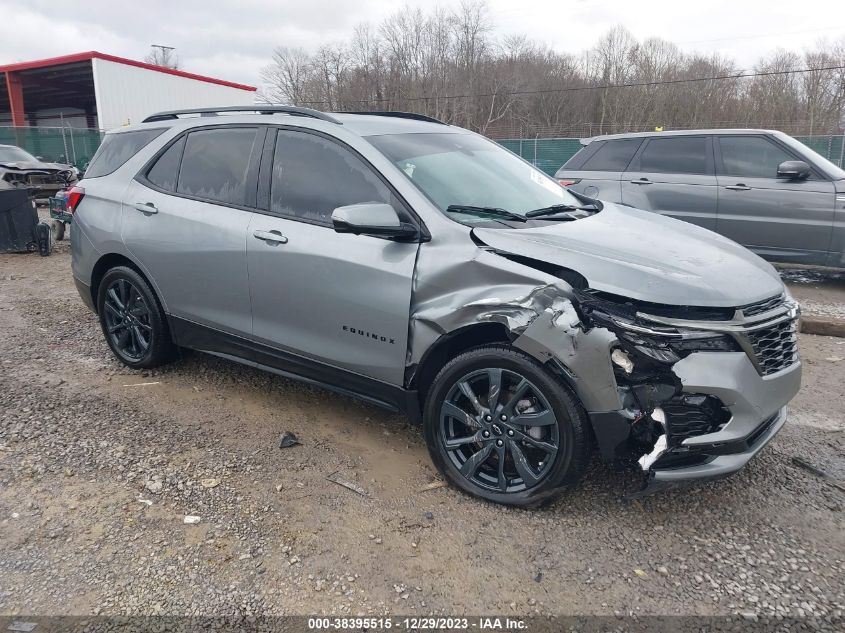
x=450 y=64
x=162 y=56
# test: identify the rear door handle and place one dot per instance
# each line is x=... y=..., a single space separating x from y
x=642 y=181
x=145 y=207
x=273 y=237
x=738 y=187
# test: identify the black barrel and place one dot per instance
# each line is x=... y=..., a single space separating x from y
x=18 y=219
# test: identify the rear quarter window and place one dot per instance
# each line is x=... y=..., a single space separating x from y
x=117 y=148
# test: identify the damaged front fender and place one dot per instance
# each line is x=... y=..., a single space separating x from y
x=537 y=309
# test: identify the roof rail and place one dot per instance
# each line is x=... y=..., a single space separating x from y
x=261 y=109
x=401 y=115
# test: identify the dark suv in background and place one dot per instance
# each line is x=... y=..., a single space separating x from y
x=760 y=188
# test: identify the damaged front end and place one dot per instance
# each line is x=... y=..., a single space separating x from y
x=701 y=389
x=687 y=392
x=43 y=182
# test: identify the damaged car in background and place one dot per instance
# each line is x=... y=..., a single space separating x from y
x=20 y=169
x=423 y=268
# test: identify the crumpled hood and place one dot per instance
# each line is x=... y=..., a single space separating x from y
x=646 y=256
x=35 y=166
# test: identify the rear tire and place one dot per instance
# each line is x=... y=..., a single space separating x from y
x=500 y=426
x=132 y=320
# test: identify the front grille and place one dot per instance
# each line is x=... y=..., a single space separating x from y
x=762 y=306
x=690 y=415
x=775 y=347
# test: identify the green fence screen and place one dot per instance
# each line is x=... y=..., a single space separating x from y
x=549 y=154
x=74 y=146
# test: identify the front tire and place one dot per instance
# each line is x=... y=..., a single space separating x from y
x=501 y=427
x=133 y=322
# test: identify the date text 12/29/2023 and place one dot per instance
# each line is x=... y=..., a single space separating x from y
x=491 y=623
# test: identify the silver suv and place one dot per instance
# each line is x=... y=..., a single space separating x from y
x=762 y=189
x=427 y=270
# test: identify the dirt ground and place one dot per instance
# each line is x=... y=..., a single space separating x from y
x=100 y=465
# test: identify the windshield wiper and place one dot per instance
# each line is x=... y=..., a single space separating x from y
x=493 y=212
x=559 y=208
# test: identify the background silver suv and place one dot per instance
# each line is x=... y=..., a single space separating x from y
x=762 y=189
x=426 y=269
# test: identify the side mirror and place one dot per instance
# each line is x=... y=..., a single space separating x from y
x=794 y=170
x=41 y=158
x=372 y=218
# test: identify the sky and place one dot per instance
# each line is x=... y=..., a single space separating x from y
x=233 y=40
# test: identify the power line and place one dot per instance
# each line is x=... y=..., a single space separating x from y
x=759 y=35
x=664 y=82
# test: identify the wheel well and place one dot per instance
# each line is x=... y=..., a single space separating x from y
x=103 y=265
x=451 y=345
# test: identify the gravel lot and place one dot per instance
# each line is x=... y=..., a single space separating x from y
x=99 y=466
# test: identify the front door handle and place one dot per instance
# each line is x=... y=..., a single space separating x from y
x=272 y=237
x=145 y=207
x=642 y=181
x=738 y=187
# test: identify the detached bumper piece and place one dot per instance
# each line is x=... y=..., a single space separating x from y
x=684 y=464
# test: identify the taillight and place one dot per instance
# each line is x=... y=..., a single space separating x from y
x=569 y=182
x=74 y=197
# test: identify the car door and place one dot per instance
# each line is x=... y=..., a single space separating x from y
x=674 y=176
x=339 y=300
x=596 y=171
x=785 y=220
x=185 y=220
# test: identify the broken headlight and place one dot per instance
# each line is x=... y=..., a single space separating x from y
x=670 y=344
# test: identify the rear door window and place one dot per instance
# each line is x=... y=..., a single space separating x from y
x=675 y=155
x=751 y=156
x=215 y=164
x=117 y=148
x=613 y=155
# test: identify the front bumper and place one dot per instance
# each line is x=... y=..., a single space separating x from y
x=720 y=460
x=757 y=410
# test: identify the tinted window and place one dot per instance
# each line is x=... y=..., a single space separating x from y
x=677 y=155
x=613 y=155
x=116 y=149
x=166 y=169
x=751 y=156
x=312 y=176
x=215 y=163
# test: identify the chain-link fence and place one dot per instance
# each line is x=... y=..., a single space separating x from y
x=549 y=154
x=74 y=146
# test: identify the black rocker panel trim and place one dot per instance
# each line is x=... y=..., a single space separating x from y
x=207 y=339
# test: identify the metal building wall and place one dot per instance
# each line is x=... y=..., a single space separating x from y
x=126 y=94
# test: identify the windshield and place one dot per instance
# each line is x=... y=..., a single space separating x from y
x=11 y=154
x=468 y=170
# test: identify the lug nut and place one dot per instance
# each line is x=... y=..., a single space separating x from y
x=510 y=432
x=499 y=443
x=488 y=418
x=486 y=434
x=504 y=418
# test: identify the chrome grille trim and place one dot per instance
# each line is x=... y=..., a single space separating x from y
x=768 y=335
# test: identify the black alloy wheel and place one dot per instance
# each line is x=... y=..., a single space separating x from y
x=133 y=321
x=501 y=426
x=499 y=430
x=127 y=318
